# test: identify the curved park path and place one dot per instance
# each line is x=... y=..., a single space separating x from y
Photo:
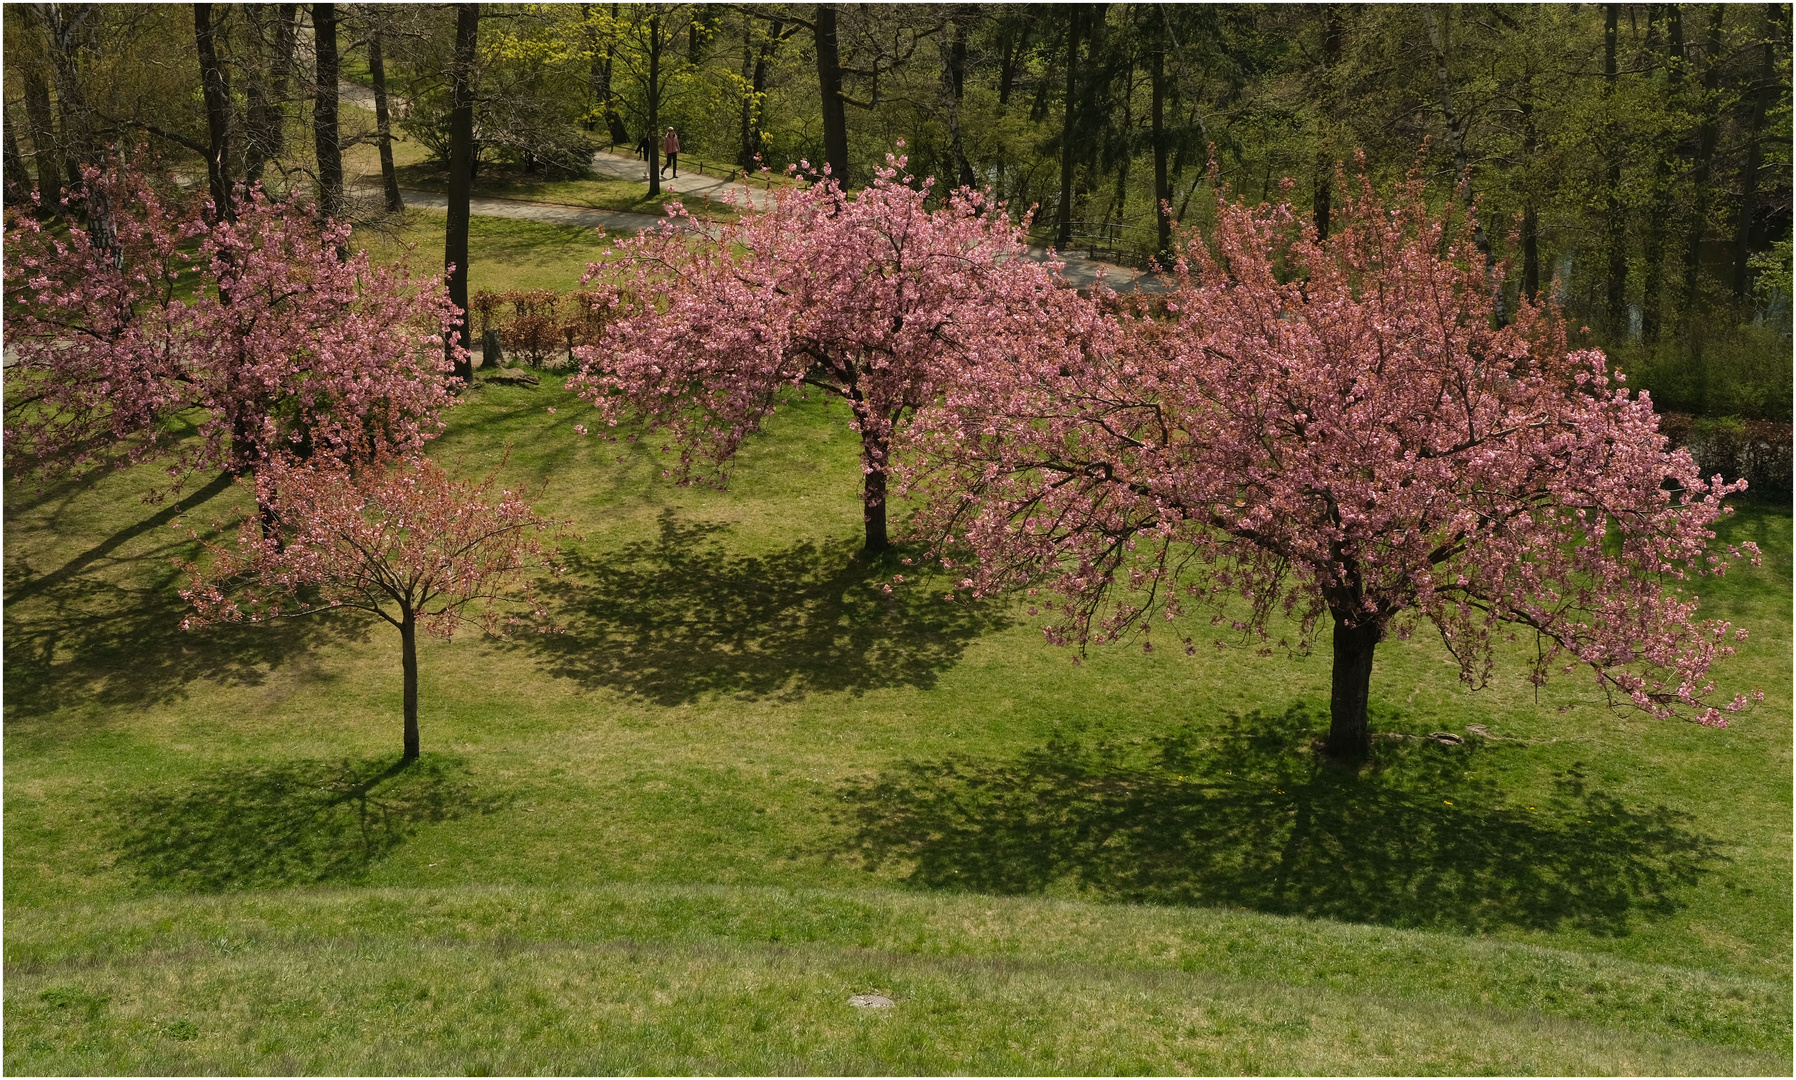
x=1080 y=270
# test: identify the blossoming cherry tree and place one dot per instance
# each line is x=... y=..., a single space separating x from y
x=247 y=330
x=879 y=300
x=408 y=543
x=1340 y=430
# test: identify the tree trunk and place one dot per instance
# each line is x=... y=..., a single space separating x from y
x=1749 y=174
x=954 y=74
x=829 y=84
x=286 y=31
x=44 y=150
x=1653 y=287
x=1063 y=215
x=408 y=661
x=1162 y=182
x=79 y=143
x=654 y=105
x=1016 y=40
x=461 y=176
x=875 y=456
x=1706 y=137
x=18 y=181
x=759 y=124
x=1334 y=40
x=327 y=140
x=1349 y=734
x=383 y=127
x=745 y=154
x=1615 y=220
x=217 y=96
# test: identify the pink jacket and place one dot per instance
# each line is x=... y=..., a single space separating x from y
x=671 y=144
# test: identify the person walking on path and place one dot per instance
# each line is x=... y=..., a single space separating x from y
x=670 y=145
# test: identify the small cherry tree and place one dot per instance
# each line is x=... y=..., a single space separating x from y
x=877 y=299
x=408 y=543
x=251 y=328
x=1341 y=429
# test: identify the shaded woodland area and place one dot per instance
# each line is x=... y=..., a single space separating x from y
x=1631 y=160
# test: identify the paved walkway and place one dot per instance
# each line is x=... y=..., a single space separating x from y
x=609 y=163
x=1081 y=271
x=553 y=213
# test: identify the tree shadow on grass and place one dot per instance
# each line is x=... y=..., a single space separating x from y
x=1249 y=817
x=288 y=823
x=680 y=616
x=106 y=628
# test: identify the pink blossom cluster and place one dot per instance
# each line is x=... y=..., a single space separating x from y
x=406 y=541
x=1345 y=427
x=879 y=299
x=253 y=328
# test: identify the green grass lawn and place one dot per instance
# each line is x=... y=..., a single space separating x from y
x=745 y=784
x=503 y=253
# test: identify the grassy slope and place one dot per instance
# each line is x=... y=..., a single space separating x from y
x=740 y=738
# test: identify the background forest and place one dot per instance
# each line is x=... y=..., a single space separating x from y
x=1633 y=159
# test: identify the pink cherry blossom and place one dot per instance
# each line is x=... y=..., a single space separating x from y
x=407 y=543
x=877 y=299
x=1340 y=429
x=254 y=333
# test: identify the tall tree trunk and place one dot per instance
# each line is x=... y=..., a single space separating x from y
x=383 y=127
x=1349 y=732
x=258 y=107
x=1653 y=287
x=1615 y=220
x=745 y=152
x=1063 y=215
x=18 y=180
x=1755 y=152
x=1334 y=40
x=954 y=76
x=654 y=105
x=829 y=85
x=327 y=139
x=286 y=34
x=216 y=93
x=1162 y=183
x=754 y=107
x=80 y=145
x=461 y=178
x=1016 y=41
x=1708 y=132
x=1530 y=210
x=64 y=23
x=408 y=663
x=44 y=150
x=599 y=82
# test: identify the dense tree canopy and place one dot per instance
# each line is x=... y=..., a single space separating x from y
x=248 y=329
x=1633 y=159
x=1341 y=429
x=878 y=300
